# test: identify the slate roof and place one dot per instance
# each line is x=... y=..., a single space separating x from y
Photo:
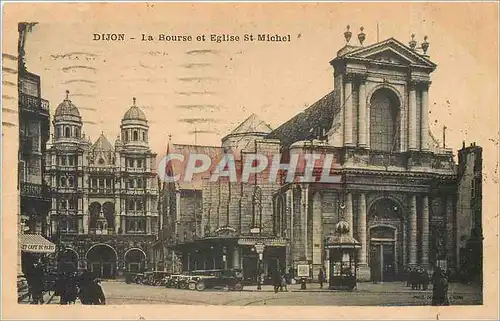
x=309 y=124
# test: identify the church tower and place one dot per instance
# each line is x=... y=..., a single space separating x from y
x=381 y=93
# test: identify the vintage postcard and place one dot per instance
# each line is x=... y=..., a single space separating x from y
x=257 y=160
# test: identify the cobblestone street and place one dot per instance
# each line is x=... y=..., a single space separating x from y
x=388 y=294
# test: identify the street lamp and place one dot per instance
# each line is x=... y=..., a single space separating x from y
x=259 y=248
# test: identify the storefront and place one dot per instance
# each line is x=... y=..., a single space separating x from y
x=34 y=247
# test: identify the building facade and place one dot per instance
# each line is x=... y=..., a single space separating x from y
x=469 y=212
x=103 y=214
x=398 y=187
x=34 y=131
x=395 y=186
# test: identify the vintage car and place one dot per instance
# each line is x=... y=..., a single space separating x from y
x=148 y=278
x=173 y=281
x=211 y=279
x=159 y=277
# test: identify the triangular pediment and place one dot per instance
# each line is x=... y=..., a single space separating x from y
x=391 y=51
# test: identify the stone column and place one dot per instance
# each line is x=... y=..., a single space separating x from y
x=236 y=257
x=364 y=270
x=425 y=232
x=362 y=113
x=304 y=219
x=424 y=121
x=317 y=234
x=348 y=214
x=413 y=230
x=412 y=128
x=348 y=111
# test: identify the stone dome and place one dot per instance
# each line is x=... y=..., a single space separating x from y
x=134 y=113
x=67 y=108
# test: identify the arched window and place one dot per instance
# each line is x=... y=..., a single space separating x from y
x=58 y=131
x=384 y=121
x=70 y=182
x=126 y=136
x=63 y=181
x=136 y=135
x=77 y=133
x=67 y=132
x=144 y=136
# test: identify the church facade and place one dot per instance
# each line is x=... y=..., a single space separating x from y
x=103 y=214
x=397 y=188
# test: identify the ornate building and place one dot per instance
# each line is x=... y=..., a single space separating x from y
x=396 y=187
x=104 y=198
x=34 y=131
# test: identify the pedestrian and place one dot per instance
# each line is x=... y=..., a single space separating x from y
x=59 y=287
x=425 y=279
x=321 y=277
x=85 y=288
x=97 y=294
x=70 y=291
x=439 y=288
x=37 y=278
x=284 y=280
x=276 y=280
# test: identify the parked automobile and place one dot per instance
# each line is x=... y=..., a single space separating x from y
x=231 y=279
x=159 y=277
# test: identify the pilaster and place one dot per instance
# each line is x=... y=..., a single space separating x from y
x=348 y=122
x=413 y=230
x=412 y=128
x=364 y=122
x=425 y=232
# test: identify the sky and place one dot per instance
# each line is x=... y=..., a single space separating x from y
x=210 y=88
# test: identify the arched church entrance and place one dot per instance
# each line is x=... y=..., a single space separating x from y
x=135 y=260
x=67 y=261
x=386 y=221
x=102 y=259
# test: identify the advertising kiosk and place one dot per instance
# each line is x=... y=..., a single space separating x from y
x=342 y=252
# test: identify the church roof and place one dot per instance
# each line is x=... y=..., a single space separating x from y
x=253 y=124
x=102 y=144
x=314 y=121
x=178 y=168
x=67 y=108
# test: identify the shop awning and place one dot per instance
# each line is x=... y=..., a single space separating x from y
x=36 y=243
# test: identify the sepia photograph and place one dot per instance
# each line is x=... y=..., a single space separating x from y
x=283 y=155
